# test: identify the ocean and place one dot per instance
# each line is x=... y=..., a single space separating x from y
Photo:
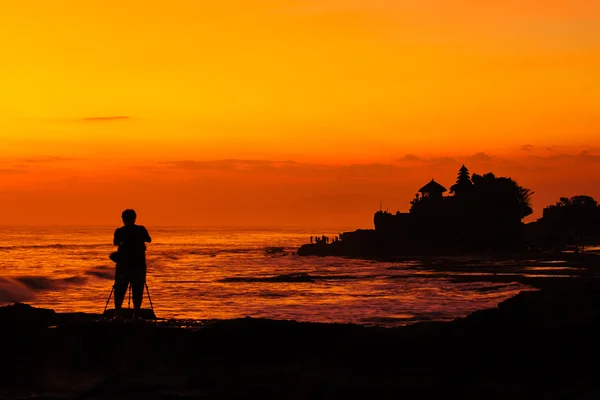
x=224 y=273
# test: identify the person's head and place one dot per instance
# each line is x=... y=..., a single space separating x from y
x=129 y=217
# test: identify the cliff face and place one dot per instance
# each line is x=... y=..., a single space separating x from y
x=426 y=233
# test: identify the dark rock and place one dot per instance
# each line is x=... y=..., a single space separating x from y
x=144 y=313
x=538 y=344
x=24 y=314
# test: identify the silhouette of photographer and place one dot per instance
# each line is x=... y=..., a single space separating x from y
x=130 y=257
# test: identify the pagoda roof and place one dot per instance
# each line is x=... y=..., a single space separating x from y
x=433 y=187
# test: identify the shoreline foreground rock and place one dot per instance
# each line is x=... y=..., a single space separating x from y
x=538 y=344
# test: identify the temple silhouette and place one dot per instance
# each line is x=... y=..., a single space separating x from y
x=479 y=214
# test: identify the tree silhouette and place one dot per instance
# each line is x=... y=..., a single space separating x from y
x=463 y=182
x=501 y=196
x=573 y=220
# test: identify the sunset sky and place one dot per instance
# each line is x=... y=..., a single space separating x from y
x=288 y=112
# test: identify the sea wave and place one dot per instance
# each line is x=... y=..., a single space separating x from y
x=23 y=288
x=54 y=246
x=102 y=272
x=301 y=277
x=12 y=291
x=159 y=253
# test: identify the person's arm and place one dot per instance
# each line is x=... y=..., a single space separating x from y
x=147 y=237
x=116 y=238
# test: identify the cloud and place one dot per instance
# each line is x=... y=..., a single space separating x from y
x=527 y=147
x=268 y=172
x=376 y=172
x=106 y=119
x=228 y=164
x=10 y=171
x=589 y=157
x=222 y=191
x=369 y=171
x=409 y=158
x=479 y=157
x=442 y=161
x=581 y=157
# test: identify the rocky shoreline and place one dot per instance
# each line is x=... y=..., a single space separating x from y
x=536 y=344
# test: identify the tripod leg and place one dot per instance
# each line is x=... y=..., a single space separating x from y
x=109 y=296
x=149 y=299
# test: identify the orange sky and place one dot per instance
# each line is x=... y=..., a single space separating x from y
x=344 y=89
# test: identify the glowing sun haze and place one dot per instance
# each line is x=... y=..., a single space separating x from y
x=288 y=112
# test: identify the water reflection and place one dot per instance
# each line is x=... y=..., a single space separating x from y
x=215 y=274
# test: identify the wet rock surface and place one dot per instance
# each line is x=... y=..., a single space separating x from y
x=539 y=344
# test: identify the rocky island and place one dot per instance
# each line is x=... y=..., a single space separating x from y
x=483 y=214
